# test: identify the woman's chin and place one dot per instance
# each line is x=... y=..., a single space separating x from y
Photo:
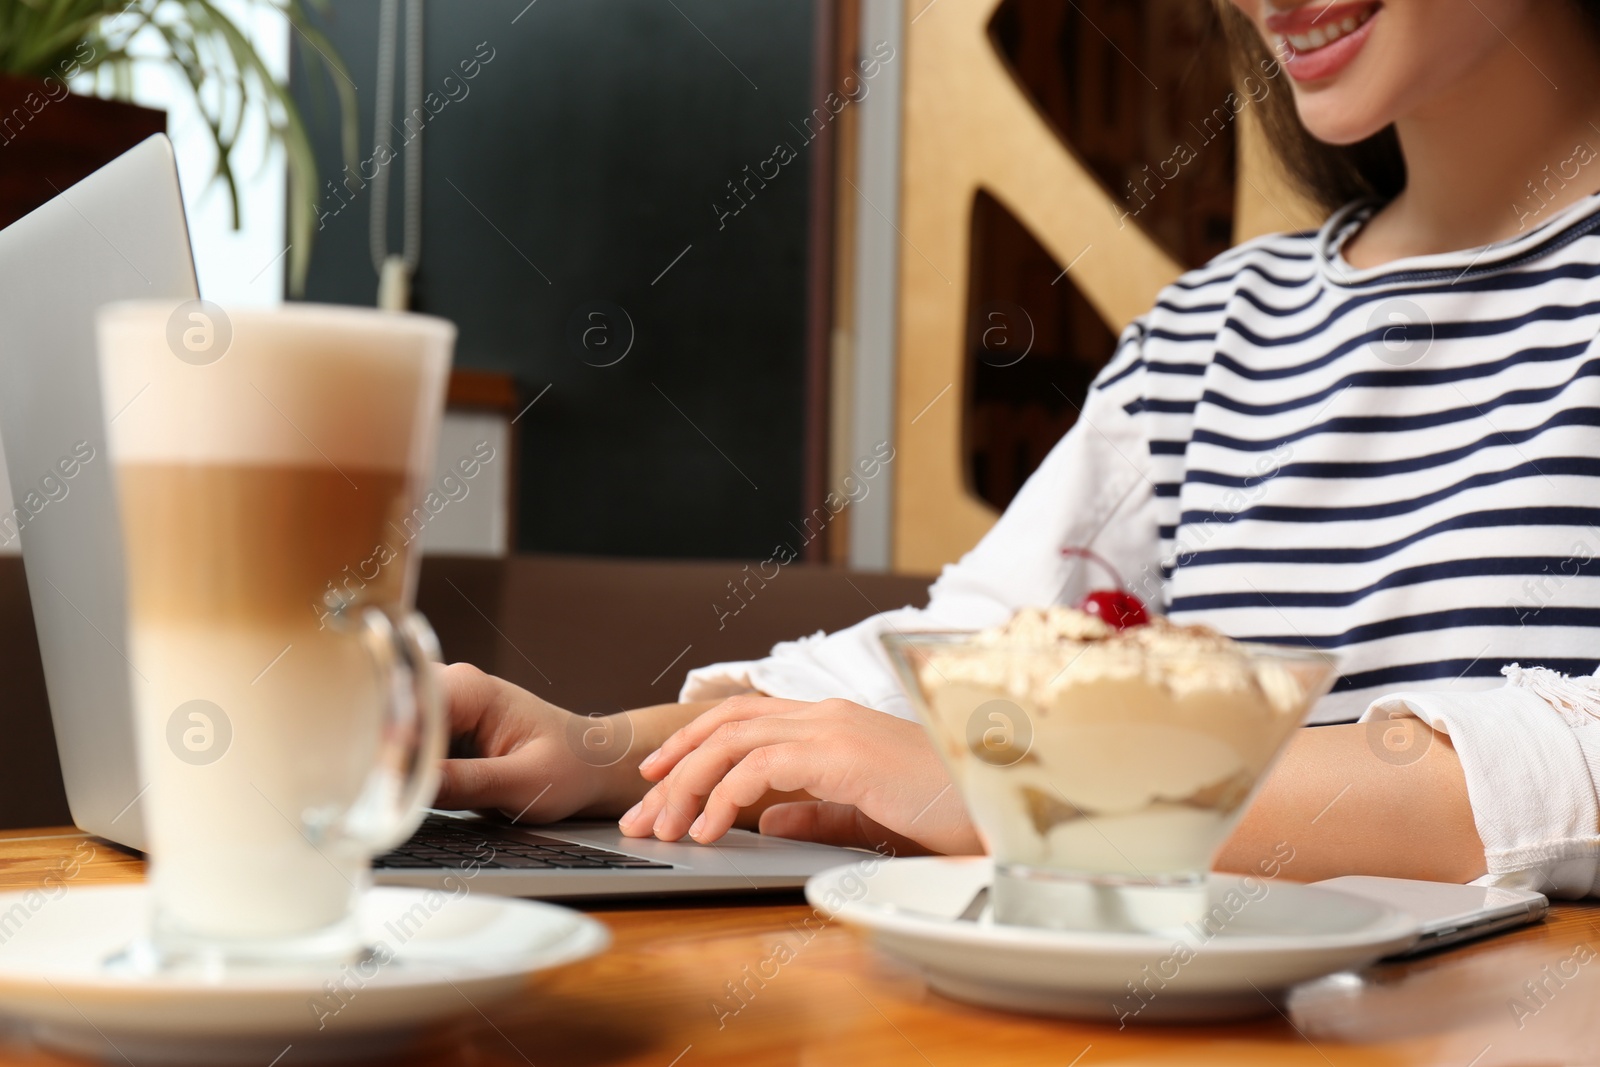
x=1336 y=121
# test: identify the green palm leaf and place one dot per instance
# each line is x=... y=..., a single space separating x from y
x=216 y=58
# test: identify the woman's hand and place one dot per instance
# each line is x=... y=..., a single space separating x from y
x=870 y=772
x=535 y=762
x=524 y=767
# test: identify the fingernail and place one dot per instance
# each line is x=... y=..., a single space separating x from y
x=650 y=760
x=628 y=816
x=694 y=827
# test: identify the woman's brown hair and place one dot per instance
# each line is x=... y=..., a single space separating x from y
x=1331 y=175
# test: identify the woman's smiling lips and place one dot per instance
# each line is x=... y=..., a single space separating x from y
x=1317 y=41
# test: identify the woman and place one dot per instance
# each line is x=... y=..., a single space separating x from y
x=1382 y=439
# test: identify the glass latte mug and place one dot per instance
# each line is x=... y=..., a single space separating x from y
x=288 y=723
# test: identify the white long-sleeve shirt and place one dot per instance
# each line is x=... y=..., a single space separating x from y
x=1397 y=465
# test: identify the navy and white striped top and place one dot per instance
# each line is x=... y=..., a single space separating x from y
x=1399 y=465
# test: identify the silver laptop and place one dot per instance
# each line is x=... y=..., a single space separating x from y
x=120 y=234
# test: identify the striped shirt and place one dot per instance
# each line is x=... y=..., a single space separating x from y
x=1398 y=465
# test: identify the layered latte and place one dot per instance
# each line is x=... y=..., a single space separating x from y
x=248 y=488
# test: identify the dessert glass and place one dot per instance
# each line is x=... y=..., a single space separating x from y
x=1105 y=772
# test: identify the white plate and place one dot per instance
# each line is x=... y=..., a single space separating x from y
x=1270 y=935
x=446 y=956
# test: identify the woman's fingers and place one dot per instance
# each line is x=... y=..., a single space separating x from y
x=737 y=754
x=524 y=766
x=914 y=797
x=843 y=825
x=669 y=808
x=469 y=694
x=499 y=782
x=498 y=716
x=660 y=763
x=781 y=767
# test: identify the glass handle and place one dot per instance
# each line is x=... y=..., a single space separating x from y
x=405 y=774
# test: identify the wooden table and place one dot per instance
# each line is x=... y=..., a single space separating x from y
x=654 y=999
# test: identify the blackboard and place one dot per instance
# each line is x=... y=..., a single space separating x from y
x=577 y=205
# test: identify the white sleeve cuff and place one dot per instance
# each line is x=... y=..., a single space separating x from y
x=717 y=682
x=1530 y=779
x=848 y=665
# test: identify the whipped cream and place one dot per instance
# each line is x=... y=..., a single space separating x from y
x=1081 y=648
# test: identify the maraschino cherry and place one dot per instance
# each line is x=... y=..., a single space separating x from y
x=1117 y=608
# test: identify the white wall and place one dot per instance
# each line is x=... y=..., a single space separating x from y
x=244 y=267
x=476 y=519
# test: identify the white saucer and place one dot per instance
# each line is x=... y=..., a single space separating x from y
x=1283 y=933
x=454 y=956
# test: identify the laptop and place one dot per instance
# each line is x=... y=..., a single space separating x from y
x=121 y=234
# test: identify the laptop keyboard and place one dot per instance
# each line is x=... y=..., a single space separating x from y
x=445 y=842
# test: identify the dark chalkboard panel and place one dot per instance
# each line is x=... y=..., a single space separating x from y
x=592 y=149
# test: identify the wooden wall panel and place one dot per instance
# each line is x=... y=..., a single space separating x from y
x=968 y=125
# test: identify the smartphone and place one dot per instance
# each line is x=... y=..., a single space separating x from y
x=1448 y=913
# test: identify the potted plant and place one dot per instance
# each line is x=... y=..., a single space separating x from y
x=49 y=135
